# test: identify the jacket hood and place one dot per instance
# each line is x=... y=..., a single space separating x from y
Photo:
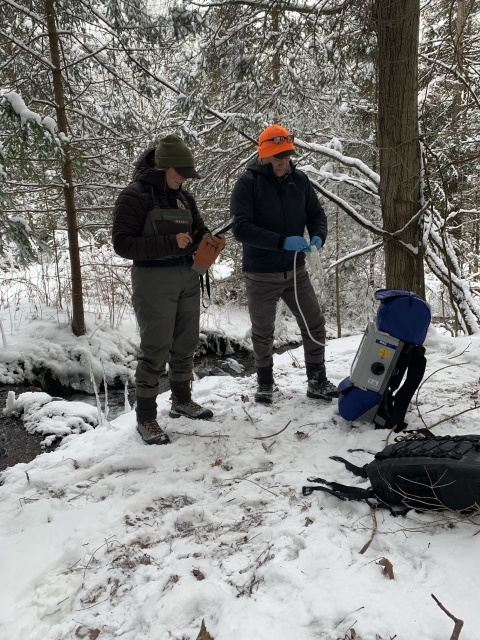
x=267 y=169
x=145 y=171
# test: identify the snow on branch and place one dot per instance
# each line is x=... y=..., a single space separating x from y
x=26 y=48
x=355 y=254
x=25 y=115
x=470 y=310
x=454 y=71
x=30 y=14
x=366 y=224
x=348 y=161
x=20 y=108
x=363 y=185
x=353 y=213
x=315 y=9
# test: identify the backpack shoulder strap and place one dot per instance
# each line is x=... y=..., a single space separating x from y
x=341 y=491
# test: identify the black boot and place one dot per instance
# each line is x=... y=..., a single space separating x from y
x=182 y=403
x=319 y=387
x=147 y=426
x=264 y=392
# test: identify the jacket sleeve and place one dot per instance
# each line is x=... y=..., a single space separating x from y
x=129 y=217
x=199 y=228
x=244 y=228
x=316 y=219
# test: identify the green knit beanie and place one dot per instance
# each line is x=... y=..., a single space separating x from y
x=173 y=152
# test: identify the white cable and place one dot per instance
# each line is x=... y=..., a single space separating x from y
x=314 y=248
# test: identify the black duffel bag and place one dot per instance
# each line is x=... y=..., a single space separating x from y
x=418 y=471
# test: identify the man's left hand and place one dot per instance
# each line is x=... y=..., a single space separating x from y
x=317 y=242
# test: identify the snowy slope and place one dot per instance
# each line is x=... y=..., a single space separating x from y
x=107 y=534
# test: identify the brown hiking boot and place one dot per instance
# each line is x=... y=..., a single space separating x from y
x=152 y=433
x=189 y=409
x=319 y=387
x=183 y=405
x=323 y=390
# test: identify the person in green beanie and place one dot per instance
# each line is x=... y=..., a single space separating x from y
x=157 y=225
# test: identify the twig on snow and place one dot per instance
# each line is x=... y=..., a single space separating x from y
x=477 y=406
x=374 y=531
x=249 y=416
x=258 y=485
x=458 y=623
x=272 y=434
x=217 y=435
x=458 y=364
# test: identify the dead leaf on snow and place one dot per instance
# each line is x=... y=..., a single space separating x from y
x=198 y=574
x=387 y=567
x=204 y=635
x=301 y=435
x=308 y=521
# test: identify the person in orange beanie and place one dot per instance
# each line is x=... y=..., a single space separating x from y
x=272 y=204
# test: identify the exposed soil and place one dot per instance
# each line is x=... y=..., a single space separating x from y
x=16 y=445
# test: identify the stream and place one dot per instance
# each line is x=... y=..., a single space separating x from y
x=17 y=445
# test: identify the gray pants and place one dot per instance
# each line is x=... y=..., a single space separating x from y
x=167 y=305
x=264 y=290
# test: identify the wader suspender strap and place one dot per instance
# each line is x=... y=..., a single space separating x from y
x=413 y=361
x=181 y=196
x=205 y=286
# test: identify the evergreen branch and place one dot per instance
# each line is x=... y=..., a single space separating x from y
x=279 y=6
x=26 y=48
x=455 y=73
x=348 y=161
x=367 y=187
x=82 y=113
x=30 y=14
x=89 y=55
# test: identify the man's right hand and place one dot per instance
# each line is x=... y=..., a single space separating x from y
x=295 y=243
x=183 y=240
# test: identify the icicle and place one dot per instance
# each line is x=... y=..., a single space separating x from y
x=105 y=385
x=128 y=408
x=4 y=337
x=94 y=384
x=11 y=403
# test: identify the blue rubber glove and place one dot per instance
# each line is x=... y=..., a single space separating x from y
x=317 y=241
x=295 y=243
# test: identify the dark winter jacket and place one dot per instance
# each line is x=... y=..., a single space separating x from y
x=266 y=210
x=131 y=209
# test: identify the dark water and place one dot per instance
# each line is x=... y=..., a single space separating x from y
x=16 y=445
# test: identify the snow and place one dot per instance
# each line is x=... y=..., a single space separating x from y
x=20 y=108
x=143 y=543
x=52 y=416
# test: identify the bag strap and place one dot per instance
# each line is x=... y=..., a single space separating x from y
x=341 y=491
x=203 y=286
x=361 y=472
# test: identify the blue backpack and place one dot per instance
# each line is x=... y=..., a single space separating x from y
x=391 y=348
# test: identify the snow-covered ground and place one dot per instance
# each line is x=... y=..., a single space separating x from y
x=36 y=339
x=106 y=537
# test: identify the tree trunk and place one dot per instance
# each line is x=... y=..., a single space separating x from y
x=78 y=319
x=397 y=23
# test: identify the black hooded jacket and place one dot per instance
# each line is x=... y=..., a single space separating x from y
x=131 y=210
x=266 y=210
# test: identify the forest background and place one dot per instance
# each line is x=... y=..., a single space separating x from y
x=382 y=96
